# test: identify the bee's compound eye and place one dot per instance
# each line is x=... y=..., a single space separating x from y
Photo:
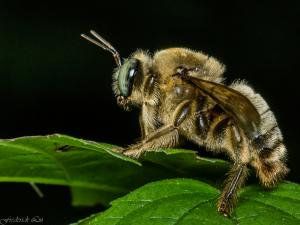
x=126 y=76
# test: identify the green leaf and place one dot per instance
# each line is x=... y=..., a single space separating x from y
x=94 y=172
x=191 y=202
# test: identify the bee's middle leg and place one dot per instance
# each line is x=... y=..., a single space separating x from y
x=165 y=137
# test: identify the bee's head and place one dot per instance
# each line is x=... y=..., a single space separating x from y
x=125 y=74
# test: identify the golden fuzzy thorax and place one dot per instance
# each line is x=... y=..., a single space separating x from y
x=177 y=91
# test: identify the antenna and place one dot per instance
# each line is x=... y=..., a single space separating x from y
x=103 y=44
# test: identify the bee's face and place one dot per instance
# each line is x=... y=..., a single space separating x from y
x=125 y=76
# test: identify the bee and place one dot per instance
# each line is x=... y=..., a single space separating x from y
x=182 y=96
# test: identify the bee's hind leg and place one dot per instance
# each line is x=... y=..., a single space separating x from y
x=238 y=172
x=236 y=178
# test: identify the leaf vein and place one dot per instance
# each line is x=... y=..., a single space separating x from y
x=189 y=210
x=37 y=150
x=271 y=206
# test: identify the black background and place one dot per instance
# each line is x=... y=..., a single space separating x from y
x=52 y=81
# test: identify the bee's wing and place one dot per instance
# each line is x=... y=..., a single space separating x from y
x=234 y=103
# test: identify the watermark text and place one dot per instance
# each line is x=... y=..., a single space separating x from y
x=21 y=219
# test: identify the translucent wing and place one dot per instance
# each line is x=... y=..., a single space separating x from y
x=232 y=102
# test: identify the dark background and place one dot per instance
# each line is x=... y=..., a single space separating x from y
x=52 y=81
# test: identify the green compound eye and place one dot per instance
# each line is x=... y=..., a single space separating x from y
x=126 y=76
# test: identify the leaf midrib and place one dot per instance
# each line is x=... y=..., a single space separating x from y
x=54 y=181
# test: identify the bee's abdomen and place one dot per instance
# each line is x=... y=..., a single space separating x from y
x=269 y=142
x=269 y=154
x=270 y=145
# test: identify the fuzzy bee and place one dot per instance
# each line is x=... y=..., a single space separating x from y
x=181 y=95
